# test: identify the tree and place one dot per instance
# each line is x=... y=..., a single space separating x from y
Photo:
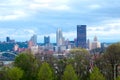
x=96 y=74
x=118 y=78
x=15 y=73
x=112 y=58
x=3 y=75
x=27 y=62
x=60 y=67
x=69 y=73
x=45 y=72
x=81 y=59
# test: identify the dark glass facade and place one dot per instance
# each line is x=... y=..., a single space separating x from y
x=7 y=39
x=46 y=40
x=81 y=36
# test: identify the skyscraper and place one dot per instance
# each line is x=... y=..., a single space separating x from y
x=96 y=43
x=7 y=39
x=34 y=39
x=88 y=44
x=81 y=36
x=59 y=37
x=46 y=40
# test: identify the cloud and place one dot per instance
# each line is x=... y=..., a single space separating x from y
x=95 y=6
x=43 y=17
x=14 y=15
x=12 y=10
x=19 y=34
x=49 y=5
x=16 y=9
x=109 y=31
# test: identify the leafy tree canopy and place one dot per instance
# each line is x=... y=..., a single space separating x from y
x=45 y=72
x=69 y=73
x=96 y=74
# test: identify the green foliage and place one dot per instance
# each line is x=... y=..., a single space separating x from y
x=78 y=51
x=27 y=62
x=3 y=75
x=69 y=73
x=15 y=73
x=112 y=53
x=60 y=67
x=81 y=62
x=45 y=72
x=118 y=78
x=96 y=74
x=111 y=58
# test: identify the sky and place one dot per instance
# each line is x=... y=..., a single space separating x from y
x=20 y=19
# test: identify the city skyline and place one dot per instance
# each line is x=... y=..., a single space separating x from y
x=20 y=19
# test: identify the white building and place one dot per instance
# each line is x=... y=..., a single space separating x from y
x=95 y=43
x=35 y=49
x=59 y=38
x=16 y=47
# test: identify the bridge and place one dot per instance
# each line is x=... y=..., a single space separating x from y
x=7 y=56
x=8 y=53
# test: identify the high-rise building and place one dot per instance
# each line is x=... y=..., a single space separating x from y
x=96 y=43
x=89 y=45
x=34 y=39
x=30 y=44
x=59 y=38
x=46 y=40
x=81 y=36
x=7 y=39
x=10 y=40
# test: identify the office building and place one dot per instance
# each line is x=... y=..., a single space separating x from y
x=30 y=44
x=10 y=40
x=96 y=43
x=89 y=44
x=34 y=39
x=46 y=40
x=81 y=36
x=59 y=38
x=7 y=39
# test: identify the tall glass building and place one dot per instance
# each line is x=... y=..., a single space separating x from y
x=46 y=40
x=34 y=39
x=59 y=38
x=81 y=36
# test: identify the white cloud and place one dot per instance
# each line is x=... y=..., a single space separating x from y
x=13 y=9
x=42 y=13
x=16 y=9
x=94 y=6
x=14 y=15
x=49 y=4
x=109 y=31
x=19 y=34
x=70 y=35
x=51 y=1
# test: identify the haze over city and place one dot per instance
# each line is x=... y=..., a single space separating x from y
x=20 y=19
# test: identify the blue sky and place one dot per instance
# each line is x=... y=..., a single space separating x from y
x=20 y=19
